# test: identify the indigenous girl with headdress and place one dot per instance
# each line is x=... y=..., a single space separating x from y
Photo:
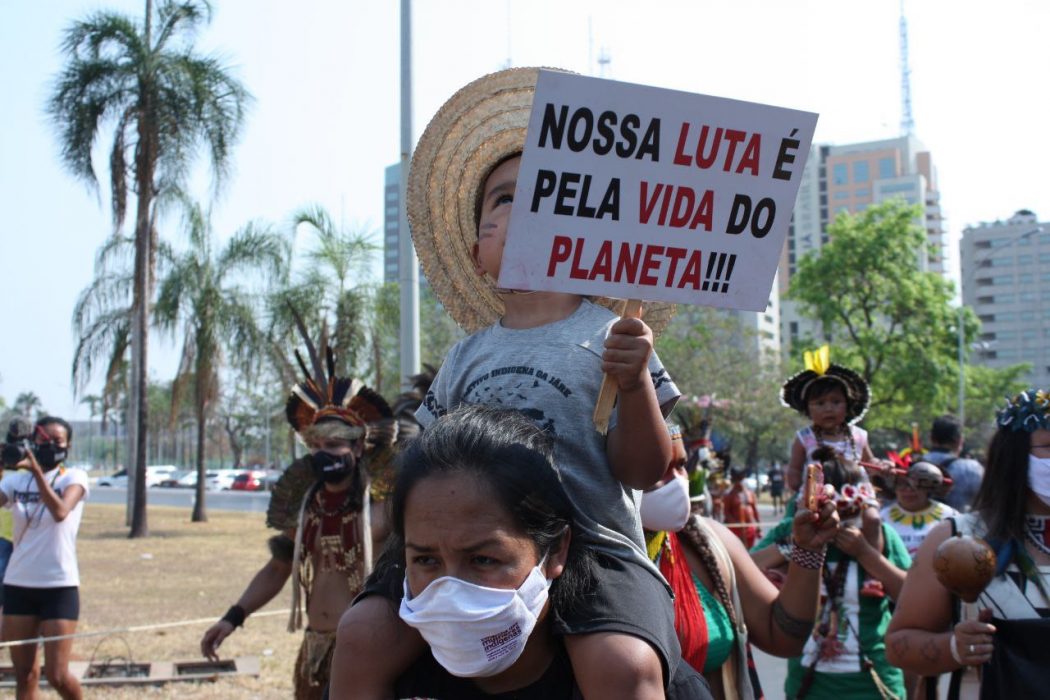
x=834 y=398
x=321 y=505
x=722 y=599
x=1004 y=631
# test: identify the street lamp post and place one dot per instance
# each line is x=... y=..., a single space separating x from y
x=962 y=356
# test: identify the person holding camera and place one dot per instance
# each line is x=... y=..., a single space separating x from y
x=42 y=581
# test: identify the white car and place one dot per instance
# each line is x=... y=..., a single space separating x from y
x=223 y=479
x=154 y=475
x=189 y=480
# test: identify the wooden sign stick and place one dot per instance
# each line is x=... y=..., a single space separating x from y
x=632 y=308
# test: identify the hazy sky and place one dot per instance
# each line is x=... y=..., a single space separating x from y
x=326 y=116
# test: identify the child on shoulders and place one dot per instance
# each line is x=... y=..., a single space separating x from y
x=544 y=354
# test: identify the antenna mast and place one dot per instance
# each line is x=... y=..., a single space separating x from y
x=907 y=123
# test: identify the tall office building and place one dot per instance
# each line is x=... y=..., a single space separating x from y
x=1005 y=281
x=850 y=178
x=391 y=221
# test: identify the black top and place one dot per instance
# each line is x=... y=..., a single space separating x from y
x=427 y=679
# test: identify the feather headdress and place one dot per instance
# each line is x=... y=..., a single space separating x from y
x=322 y=396
x=794 y=393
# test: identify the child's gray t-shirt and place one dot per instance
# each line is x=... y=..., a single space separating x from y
x=552 y=374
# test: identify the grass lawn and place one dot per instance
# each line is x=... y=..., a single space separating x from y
x=182 y=571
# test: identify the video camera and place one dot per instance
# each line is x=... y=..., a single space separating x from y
x=18 y=442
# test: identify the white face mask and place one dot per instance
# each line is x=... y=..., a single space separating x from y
x=475 y=631
x=667 y=507
x=1039 y=477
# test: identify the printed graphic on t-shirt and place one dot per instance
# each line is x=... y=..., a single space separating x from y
x=30 y=497
x=520 y=387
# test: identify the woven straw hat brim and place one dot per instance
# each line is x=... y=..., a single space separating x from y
x=793 y=392
x=477 y=128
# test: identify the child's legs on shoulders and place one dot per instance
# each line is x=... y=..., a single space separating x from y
x=620 y=637
x=373 y=648
x=615 y=665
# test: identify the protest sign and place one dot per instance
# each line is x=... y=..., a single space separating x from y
x=637 y=192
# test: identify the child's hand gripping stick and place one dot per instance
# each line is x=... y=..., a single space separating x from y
x=607 y=394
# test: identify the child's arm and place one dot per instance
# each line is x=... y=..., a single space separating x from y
x=794 y=468
x=867 y=455
x=638 y=448
x=852 y=541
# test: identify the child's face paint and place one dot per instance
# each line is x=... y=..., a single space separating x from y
x=497 y=197
x=828 y=412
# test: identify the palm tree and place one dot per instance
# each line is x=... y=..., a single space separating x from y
x=217 y=315
x=343 y=256
x=165 y=100
x=28 y=404
x=102 y=319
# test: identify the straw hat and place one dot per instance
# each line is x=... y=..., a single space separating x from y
x=476 y=129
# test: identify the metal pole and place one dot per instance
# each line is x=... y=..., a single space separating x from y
x=408 y=265
x=962 y=368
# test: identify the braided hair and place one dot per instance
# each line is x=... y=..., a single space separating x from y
x=700 y=545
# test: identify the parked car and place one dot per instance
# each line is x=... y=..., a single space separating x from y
x=172 y=482
x=118 y=479
x=250 y=480
x=187 y=479
x=154 y=476
x=222 y=481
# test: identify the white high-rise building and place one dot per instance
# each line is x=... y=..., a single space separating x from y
x=1005 y=280
x=850 y=178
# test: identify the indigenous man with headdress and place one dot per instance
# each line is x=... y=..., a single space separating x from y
x=326 y=538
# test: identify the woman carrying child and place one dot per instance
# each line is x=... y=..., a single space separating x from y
x=846 y=655
x=544 y=354
x=487 y=560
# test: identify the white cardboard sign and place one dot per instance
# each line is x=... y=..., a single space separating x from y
x=636 y=192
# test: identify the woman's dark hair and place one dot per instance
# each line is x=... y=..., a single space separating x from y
x=1002 y=500
x=55 y=420
x=516 y=459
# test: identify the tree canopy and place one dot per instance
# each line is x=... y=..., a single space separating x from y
x=887 y=318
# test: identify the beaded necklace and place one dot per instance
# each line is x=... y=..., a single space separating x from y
x=819 y=435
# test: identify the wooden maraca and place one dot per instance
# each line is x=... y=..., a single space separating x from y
x=965 y=566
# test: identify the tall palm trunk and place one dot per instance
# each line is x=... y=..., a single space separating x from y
x=200 y=512
x=140 y=337
x=145 y=163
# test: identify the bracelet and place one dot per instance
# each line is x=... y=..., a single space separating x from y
x=235 y=616
x=954 y=647
x=784 y=547
x=807 y=558
x=792 y=626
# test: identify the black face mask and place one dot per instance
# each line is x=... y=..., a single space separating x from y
x=49 y=455
x=331 y=468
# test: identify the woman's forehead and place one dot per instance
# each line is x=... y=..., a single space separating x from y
x=456 y=505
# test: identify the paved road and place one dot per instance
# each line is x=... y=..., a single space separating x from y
x=246 y=501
